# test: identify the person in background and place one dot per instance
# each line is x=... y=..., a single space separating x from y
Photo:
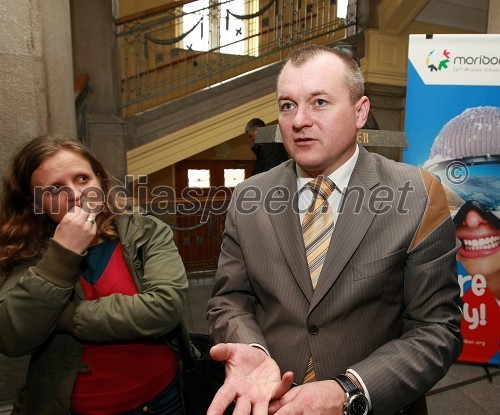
x=91 y=287
x=268 y=155
x=337 y=269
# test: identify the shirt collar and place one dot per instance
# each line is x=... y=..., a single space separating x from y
x=340 y=177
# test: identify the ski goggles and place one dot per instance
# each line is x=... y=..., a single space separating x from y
x=475 y=181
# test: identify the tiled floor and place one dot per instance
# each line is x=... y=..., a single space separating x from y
x=465 y=390
x=199 y=292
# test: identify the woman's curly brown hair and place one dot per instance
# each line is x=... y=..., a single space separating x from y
x=23 y=231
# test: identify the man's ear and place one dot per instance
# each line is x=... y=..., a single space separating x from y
x=362 y=111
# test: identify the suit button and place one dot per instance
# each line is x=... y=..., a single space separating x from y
x=313 y=329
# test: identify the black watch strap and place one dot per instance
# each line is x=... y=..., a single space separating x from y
x=356 y=402
x=347 y=384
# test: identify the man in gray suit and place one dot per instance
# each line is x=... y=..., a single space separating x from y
x=382 y=324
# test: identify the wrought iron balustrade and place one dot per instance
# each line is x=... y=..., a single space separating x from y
x=182 y=47
x=198 y=225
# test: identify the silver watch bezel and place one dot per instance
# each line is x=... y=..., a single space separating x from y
x=349 y=401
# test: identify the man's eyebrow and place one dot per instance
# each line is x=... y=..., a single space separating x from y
x=319 y=92
x=312 y=94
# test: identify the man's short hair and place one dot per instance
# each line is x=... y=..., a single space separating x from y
x=254 y=122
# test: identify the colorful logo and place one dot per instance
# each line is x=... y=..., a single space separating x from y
x=437 y=62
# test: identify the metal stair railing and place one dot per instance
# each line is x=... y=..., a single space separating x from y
x=172 y=51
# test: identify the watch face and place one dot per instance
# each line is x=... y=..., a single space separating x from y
x=358 y=405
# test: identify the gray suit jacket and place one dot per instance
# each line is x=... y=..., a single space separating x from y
x=387 y=301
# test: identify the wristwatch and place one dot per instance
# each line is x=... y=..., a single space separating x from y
x=356 y=403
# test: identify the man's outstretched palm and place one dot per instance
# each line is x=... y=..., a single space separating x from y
x=253 y=380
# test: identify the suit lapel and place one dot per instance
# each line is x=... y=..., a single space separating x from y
x=351 y=225
x=286 y=226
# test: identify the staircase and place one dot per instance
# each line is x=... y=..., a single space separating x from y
x=217 y=114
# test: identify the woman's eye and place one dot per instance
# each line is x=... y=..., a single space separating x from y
x=54 y=189
x=83 y=179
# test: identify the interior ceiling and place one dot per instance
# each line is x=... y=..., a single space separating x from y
x=461 y=14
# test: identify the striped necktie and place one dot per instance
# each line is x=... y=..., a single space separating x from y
x=317 y=228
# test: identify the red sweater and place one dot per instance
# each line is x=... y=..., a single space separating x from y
x=123 y=374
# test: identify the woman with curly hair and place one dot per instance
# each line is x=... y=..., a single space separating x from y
x=91 y=287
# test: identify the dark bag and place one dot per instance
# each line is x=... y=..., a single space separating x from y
x=201 y=377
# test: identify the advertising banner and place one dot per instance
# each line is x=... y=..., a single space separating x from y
x=452 y=126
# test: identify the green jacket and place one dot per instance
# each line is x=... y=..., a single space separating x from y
x=43 y=311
